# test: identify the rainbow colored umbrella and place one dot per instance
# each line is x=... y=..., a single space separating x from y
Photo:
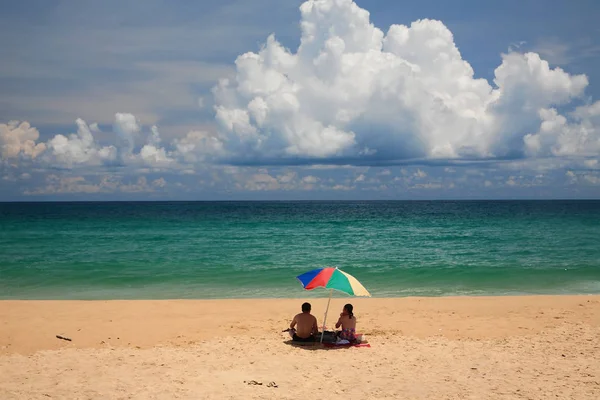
x=333 y=279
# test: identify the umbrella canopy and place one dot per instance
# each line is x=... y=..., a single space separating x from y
x=333 y=278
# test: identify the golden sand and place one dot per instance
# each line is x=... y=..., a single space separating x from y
x=534 y=347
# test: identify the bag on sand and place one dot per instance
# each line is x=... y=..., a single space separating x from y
x=328 y=337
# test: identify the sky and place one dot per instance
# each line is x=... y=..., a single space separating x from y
x=293 y=100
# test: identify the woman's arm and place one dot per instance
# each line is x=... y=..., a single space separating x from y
x=337 y=325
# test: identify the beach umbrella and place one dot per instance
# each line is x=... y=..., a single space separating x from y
x=333 y=279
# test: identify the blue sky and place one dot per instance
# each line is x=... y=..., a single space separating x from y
x=121 y=100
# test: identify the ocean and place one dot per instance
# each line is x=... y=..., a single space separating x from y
x=157 y=250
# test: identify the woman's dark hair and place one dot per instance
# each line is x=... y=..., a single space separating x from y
x=349 y=309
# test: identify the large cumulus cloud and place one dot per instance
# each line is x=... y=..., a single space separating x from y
x=352 y=92
x=350 y=95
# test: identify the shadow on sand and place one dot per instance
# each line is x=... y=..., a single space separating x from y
x=308 y=346
x=314 y=346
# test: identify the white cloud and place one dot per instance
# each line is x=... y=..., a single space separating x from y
x=571 y=177
x=160 y=182
x=11 y=177
x=310 y=179
x=528 y=83
x=420 y=174
x=342 y=187
x=404 y=94
x=198 y=146
x=61 y=184
x=82 y=149
x=140 y=186
x=152 y=154
x=126 y=127
x=95 y=128
x=65 y=184
x=261 y=179
x=287 y=178
x=19 y=139
x=260 y=182
x=431 y=185
x=78 y=148
x=585 y=178
x=592 y=179
x=559 y=137
x=329 y=166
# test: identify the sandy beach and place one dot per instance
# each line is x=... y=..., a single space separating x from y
x=534 y=347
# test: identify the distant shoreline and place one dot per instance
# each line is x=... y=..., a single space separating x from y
x=307 y=297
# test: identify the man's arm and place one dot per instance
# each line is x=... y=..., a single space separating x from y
x=315 y=328
x=293 y=323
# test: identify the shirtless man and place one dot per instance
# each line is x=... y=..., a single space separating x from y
x=306 y=325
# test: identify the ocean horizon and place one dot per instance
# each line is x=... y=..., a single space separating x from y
x=255 y=249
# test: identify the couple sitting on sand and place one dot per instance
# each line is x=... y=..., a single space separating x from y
x=304 y=326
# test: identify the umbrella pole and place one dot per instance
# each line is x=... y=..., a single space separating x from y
x=325 y=318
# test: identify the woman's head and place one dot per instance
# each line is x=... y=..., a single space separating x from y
x=348 y=309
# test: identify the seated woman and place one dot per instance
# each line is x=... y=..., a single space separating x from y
x=348 y=323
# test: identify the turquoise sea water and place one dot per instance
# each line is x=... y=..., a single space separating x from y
x=255 y=249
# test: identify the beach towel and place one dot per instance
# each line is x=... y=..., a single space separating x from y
x=328 y=337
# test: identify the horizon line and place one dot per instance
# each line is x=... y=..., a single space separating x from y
x=295 y=200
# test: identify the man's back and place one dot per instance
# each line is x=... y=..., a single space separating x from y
x=306 y=325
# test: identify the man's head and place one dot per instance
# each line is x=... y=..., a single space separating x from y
x=306 y=307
